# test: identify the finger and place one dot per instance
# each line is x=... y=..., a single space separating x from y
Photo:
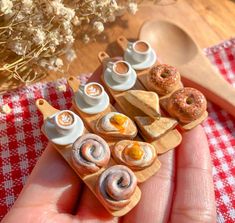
x=156 y=197
x=90 y=209
x=194 y=200
x=52 y=183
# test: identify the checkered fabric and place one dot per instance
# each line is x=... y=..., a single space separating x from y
x=22 y=141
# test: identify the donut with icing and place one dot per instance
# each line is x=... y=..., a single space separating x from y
x=187 y=104
x=163 y=79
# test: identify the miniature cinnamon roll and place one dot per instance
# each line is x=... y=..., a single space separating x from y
x=90 y=153
x=134 y=154
x=187 y=104
x=163 y=79
x=116 y=185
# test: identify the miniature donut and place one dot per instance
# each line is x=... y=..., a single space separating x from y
x=116 y=185
x=187 y=104
x=90 y=153
x=163 y=79
x=134 y=154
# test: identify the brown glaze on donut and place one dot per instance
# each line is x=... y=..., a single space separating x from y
x=187 y=104
x=163 y=79
x=90 y=153
x=116 y=185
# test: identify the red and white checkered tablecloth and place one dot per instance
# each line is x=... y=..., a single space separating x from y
x=22 y=141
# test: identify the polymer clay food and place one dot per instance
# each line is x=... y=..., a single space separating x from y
x=116 y=125
x=146 y=101
x=116 y=185
x=134 y=154
x=163 y=79
x=154 y=128
x=187 y=104
x=90 y=153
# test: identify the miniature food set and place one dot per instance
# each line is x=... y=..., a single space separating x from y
x=113 y=151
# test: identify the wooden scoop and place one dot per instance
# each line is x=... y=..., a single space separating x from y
x=176 y=47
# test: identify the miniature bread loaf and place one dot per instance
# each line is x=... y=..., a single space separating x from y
x=90 y=153
x=146 y=101
x=116 y=185
x=154 y=128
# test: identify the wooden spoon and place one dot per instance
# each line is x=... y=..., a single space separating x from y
x=176 y=47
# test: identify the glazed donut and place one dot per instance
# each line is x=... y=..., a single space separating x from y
x=187 y=104
x=116 y=185
x=134 y=154
x=90 y=153
x=163 y=79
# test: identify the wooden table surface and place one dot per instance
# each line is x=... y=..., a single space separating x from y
x=208 y=21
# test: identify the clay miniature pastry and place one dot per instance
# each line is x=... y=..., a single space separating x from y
x=146 y=101
x=90 y=153
x=116 y=125
x=164 y=79
x=153 y=129
x=134 y=154
x=187 y=104
x=116 y=185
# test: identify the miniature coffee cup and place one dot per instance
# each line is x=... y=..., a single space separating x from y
x=120 y=70
x=140 y=50
x=93 y=93
x=64 y=121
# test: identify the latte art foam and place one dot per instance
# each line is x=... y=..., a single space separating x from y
x=94 y=90
x=65 y=119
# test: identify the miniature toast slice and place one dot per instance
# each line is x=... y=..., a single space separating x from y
x=146 y=101
x=154 y=128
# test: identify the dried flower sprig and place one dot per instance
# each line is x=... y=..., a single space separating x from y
x=35 y=33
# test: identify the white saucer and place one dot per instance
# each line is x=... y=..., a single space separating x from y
x=150 y=61
x=60 y=139
x=126 y=85
x=91 y=109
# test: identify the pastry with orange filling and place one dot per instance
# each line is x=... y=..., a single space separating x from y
x=134 y=154
x=116 y=125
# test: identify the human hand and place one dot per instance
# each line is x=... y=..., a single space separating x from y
x=180 y=192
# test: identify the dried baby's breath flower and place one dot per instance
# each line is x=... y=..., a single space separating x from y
x=34 y=34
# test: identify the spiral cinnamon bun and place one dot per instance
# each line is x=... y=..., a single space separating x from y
x=134 y=154
x=163 y=79
x=116 y=185
x=116 y=125
x=187 y=104
x=90 y=153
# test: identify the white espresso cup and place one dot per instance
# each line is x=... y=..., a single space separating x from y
x=120 y=70
x=93 y=93
x=140 y=50
x=64 y=121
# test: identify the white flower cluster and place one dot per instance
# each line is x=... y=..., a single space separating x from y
x=38 y=32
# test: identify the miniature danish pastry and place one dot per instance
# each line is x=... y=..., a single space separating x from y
x=116 y=185
x=146 y=101
x=90 y=153
x=116 y=125
x=153 y=129
x=164 y=79
x=187 y=104
x=134 y=154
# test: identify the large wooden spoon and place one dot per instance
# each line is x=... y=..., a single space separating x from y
x=176 y=47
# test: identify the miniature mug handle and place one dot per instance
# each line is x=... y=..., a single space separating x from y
x=130 y=45
x=109 y=65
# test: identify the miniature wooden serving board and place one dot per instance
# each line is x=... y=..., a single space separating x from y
x=142 y=77
x=91 y=120
x=166 y=142
x=89 y=179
